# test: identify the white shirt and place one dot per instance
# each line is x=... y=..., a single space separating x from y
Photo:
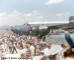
x=53 y=50
x=32 y=49
x=24 y=50
x=46 y=51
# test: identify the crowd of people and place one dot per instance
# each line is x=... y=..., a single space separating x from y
x=30 y=47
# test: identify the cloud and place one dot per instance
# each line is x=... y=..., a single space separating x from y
x=18 y=18
x=63 y=16
x=50 y=2
x=59 y=14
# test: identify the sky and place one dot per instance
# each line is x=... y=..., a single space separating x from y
x=17 y=12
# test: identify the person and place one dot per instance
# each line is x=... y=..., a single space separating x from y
x=21 y=44
x=25 y=52
x=39 y=57
x=44 y=58
x=32 y=49
x=6 y=47
x=10 y=46
x=14 y=47
x=2 y=55
x=60 y=54
x=46 y=49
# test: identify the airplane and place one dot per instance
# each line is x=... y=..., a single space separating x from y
x=41 y=28
x=35 y=28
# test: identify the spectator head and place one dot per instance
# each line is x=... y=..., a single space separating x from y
x=63 y=46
